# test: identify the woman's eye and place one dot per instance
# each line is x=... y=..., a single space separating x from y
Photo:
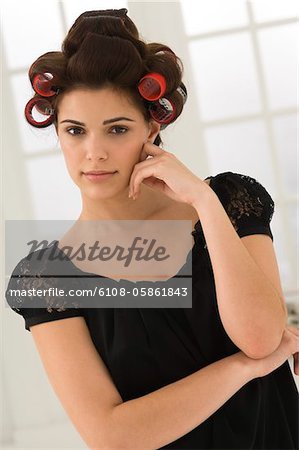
x=74 y=128
x=118 y=129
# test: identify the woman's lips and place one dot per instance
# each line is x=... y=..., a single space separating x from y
x=98 y=177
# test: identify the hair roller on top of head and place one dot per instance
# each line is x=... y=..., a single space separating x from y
x=110 y=22
x=105 y=12
x=122 y=12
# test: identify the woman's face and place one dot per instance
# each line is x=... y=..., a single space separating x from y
x=102 y=130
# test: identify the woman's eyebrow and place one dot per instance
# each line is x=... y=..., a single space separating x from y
x=115 y=119
x=76 y=122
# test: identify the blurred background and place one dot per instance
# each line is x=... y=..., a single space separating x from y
x=240 y=60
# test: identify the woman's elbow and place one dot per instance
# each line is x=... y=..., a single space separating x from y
x=265 y=347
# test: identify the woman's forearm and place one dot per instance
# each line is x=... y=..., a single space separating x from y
x=162 y=416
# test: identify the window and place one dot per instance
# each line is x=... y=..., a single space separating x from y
x=243 y=58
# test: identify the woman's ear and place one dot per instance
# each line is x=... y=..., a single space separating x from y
x=154 y=130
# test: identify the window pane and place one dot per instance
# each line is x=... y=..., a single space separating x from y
x=74 y=8
x=241 y=148
x=285 y=132
x=27 y=33
x=49 y=181
x=281 y=249
x=201 y=16
x=279 y=50
x=225 y=76
x=32 y=139
x=265 y=10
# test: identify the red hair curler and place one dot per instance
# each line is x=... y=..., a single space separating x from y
x=152 y=86
x=45 y=84
x=44 y=107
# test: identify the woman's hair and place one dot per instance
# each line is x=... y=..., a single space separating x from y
x=103 y=49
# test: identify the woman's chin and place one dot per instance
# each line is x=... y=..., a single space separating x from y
x=97 y=194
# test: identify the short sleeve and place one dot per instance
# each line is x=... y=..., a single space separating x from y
x=27 y=276
x=248 y=204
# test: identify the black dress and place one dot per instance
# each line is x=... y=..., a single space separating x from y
x=147 y=348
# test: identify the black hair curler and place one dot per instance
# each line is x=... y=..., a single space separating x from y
x=162 y=111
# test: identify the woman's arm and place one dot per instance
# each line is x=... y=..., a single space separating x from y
x=242 y=288
x=156 y=419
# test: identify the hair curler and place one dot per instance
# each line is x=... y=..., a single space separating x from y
x=183 y=91
x=45 y=84
x=162 y=111
x=152 y=86
x=43 y=107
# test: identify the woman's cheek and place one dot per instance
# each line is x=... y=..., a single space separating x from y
x=134 y=149
x=73 y=166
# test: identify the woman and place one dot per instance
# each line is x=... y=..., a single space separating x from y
x=214 y=376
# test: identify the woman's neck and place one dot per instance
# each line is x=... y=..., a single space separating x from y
x=144 y=207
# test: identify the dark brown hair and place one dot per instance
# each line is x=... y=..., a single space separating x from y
x=103 y=49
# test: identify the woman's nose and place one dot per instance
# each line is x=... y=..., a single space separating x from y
x=95 y=149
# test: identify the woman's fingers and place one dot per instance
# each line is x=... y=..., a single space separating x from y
x=293 y=329
x=148 y=149
x=152 y=149
x=148 y=169
x=154 y=182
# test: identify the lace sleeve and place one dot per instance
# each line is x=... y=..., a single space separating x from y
x=247 y=203
x=29 y=276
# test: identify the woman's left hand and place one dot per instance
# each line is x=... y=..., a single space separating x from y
x=165 y=173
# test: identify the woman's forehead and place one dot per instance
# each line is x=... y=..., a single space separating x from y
x=87 y=100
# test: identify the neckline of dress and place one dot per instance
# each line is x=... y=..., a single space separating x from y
x=96 y=275
x=197 y=232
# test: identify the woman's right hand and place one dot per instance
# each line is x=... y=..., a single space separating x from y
x=288 y=346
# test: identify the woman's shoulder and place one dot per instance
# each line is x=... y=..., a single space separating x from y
x=41 y=261
x=37 y=272
x=247 y=202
